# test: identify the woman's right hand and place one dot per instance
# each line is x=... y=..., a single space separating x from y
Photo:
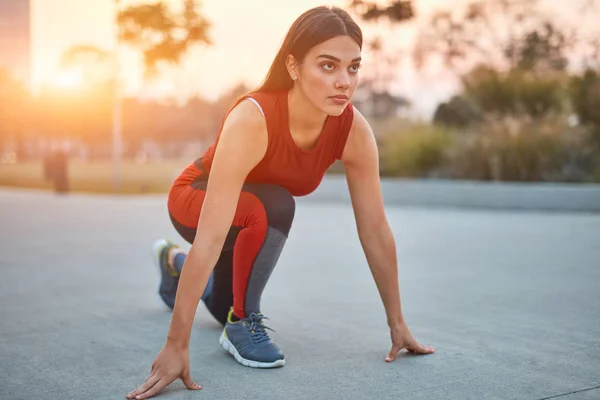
x=170 y=364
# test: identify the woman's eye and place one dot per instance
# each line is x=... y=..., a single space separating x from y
x=354 y=68
x=327 y=66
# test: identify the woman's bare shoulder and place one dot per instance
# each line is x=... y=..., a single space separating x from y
x=246 y=114
x=244 y=137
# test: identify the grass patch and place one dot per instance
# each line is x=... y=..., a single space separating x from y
x=97 y=176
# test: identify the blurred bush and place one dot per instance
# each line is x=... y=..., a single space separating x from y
x=497 y=149
x=585 y=98
x=515 y=125
x=524 y=149
x=418 y=150
x=459 y=111
x=516 y=91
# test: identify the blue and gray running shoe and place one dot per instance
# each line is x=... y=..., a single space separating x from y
x=169 y=277
x=247 y=340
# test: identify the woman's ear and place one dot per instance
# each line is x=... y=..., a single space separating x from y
x=292 y=66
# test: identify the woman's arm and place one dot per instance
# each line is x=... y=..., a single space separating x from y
x=361 y=162
x=242 y=145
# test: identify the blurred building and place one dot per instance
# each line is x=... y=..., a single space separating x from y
x=15 y=38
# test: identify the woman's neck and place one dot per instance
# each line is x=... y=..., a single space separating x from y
x=304 y=117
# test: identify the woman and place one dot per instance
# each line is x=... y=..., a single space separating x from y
x=235 y=204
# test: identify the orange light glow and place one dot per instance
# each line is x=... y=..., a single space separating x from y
x=68 y=79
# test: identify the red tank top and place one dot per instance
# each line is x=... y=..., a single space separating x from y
x=285 y=164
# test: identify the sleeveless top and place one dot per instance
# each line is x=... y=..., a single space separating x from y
x=284 y=163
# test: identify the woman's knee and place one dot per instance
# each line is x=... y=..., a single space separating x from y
x=279 y=205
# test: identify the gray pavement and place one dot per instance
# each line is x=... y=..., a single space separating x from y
x=510 y=300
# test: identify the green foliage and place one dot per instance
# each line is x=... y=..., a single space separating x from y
x=460 y=112
x=542 y=49
x=510 y=149
x=497 y=149
x=416 y=151
x=516 y=92
x=585 y=97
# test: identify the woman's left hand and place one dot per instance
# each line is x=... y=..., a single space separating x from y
x=403 y=339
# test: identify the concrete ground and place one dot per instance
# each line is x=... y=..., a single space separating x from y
x=510 y=300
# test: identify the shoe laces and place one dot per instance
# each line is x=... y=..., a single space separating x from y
x=258 y=330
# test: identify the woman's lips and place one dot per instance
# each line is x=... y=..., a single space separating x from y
x=339 y=99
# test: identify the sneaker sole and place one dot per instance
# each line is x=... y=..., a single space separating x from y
x=228 y=346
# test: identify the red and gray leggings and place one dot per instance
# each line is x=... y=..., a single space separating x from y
x=258 y=233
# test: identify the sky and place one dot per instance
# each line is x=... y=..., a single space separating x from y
x=246 y=36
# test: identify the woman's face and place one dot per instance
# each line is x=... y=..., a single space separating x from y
x=328 y=75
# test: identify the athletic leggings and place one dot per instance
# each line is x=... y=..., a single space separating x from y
x=259 y=230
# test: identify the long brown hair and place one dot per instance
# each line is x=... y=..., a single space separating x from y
x=313 y=27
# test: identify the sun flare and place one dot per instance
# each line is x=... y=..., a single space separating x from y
x=68 y=79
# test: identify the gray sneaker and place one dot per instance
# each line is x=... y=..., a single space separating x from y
x=169 y=278
x=247 y=340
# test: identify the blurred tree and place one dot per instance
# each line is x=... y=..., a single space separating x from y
x=505 y=34
x=512 y=93
x=515 y=92
x=394 y=10
x=162 y=37
x=541 y=50
x=460 y=111
x=373 y=94
x=87 y=110
x=585 y=96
